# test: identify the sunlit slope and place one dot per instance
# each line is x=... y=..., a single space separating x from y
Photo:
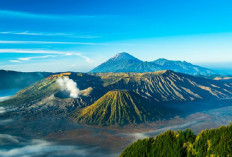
x=167 y=86
x=208 y=143
x=161 y=86
x=119 y=108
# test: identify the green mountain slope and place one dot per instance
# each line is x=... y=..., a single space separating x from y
x=119 y=107
x=214 y=142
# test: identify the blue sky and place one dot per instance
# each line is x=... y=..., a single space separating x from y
x=77 y=35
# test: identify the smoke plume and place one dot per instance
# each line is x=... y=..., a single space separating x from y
x=68 y=85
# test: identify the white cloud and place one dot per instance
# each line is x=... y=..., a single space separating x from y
x=51 y=34
x=2 y=109
x=68 y=54
x=3 y=99
x=29 y=58
x=31 y=51
x=5 y=139
x=38 y=147
x=47 y=42
x=18 y=14
x=14 y=61
x=87 y=59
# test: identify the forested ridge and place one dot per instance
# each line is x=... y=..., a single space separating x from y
x=208 y=143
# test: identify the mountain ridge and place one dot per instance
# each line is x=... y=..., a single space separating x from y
x=124 y=62
x=160 y=89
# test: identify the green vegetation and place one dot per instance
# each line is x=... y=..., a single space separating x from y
x=119 y=108
x=208 y=143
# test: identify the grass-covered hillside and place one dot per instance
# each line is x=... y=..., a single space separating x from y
x=208 y=143
x=120 y=108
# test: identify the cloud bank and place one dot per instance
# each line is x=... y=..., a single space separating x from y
x=39 y=147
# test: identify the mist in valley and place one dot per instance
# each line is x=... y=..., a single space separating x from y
x=57 y=137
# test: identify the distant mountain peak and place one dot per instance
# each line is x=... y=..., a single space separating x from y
x=123 y=56
x=162 y=59
x=124 y=62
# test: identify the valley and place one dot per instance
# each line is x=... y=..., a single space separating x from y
x=111 y=111
x=62 y=135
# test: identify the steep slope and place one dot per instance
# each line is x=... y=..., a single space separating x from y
x=124 y=62
x=45 y=97
x=183 y=67
x=119 y=108
x=213 y=142
x=161 y=86
x=14 y=79
x=168 y=86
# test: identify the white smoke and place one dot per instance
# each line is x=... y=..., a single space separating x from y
x=68 y=85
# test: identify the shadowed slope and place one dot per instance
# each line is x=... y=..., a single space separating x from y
x=183 y=67
x=124 y=62
x=166 y=86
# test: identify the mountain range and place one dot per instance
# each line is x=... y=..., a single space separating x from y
x=116 y=98
x=124 y=62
